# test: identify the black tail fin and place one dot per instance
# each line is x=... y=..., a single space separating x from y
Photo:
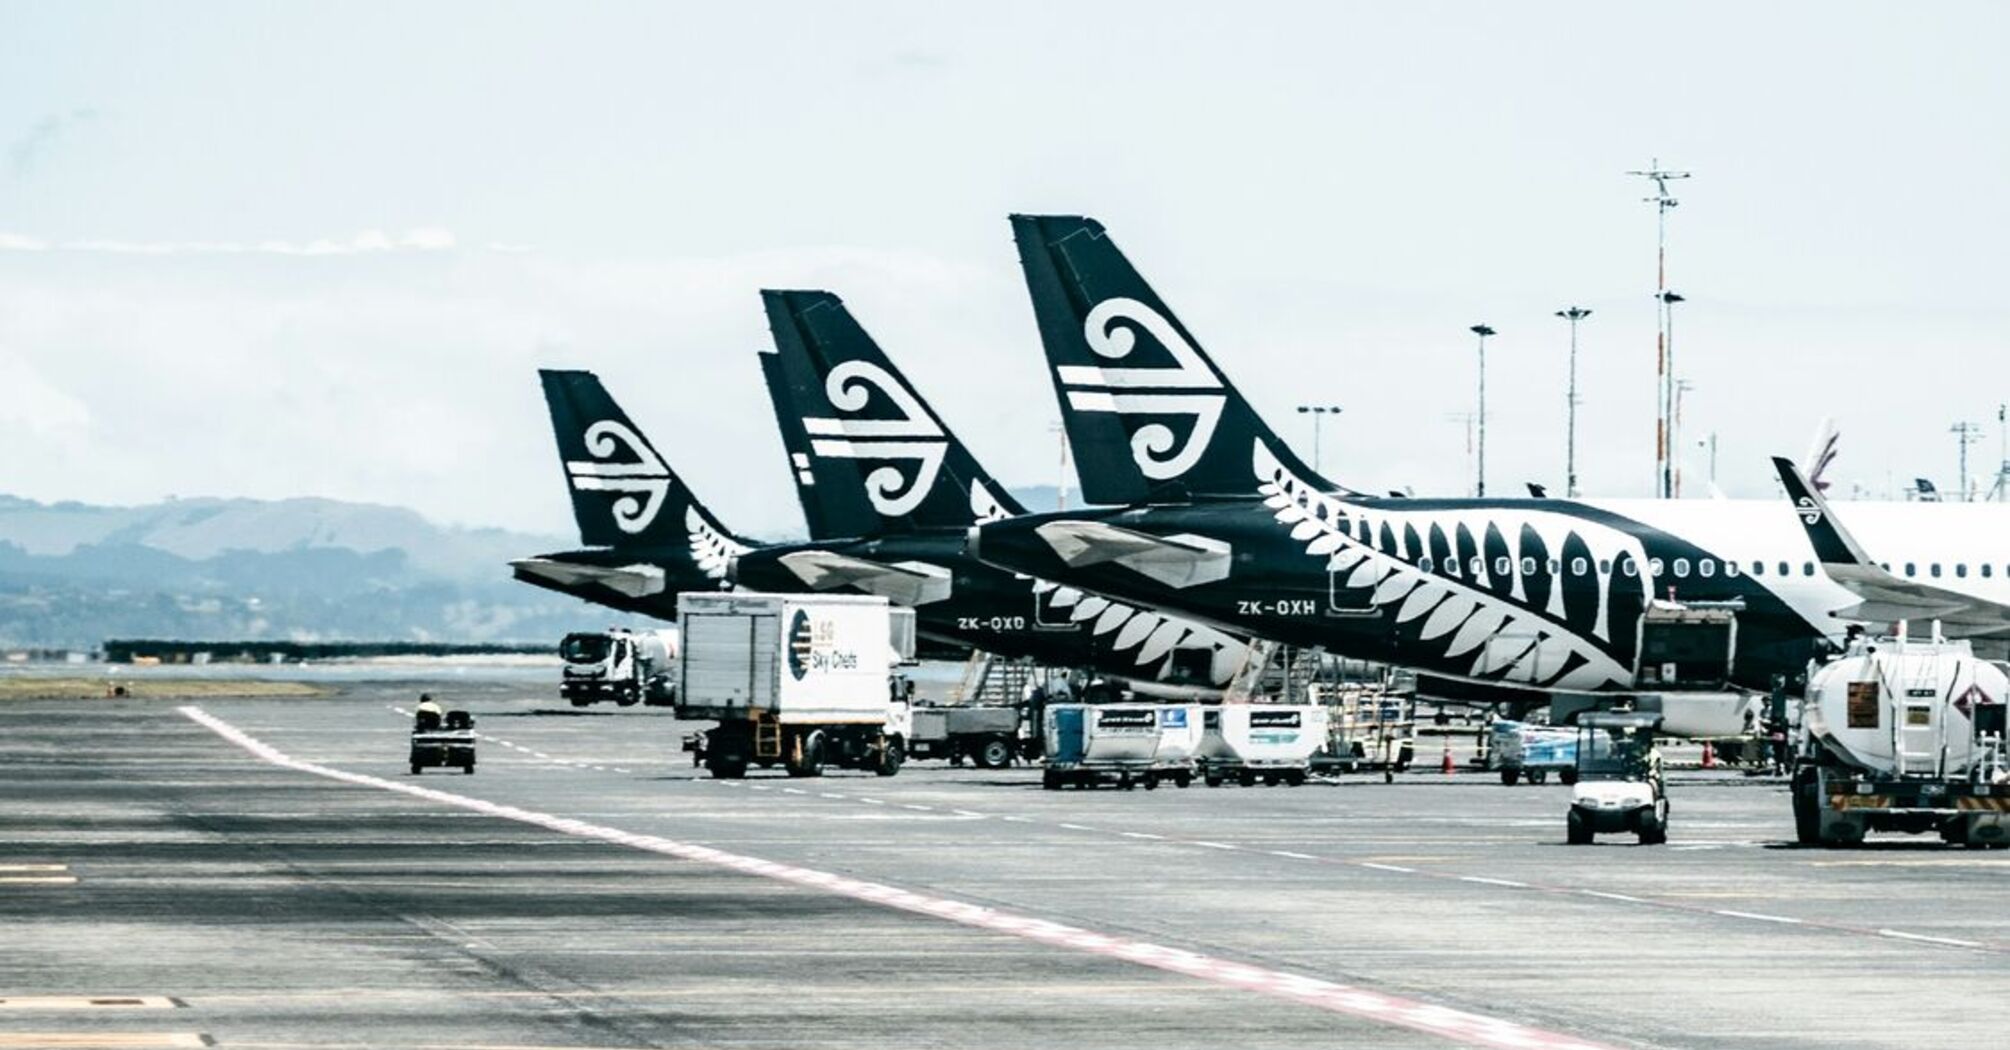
x=624 y=493
x=1165 y=425
x=870 y=456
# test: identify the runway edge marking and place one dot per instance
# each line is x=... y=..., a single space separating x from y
x=1417 y=1015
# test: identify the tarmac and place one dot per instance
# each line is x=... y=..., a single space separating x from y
x=266 y=873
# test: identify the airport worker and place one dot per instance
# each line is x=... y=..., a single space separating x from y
x=1652 y=759
x=427 y=715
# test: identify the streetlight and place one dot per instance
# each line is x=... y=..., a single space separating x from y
x=1480 y=488
x=1573 y=314
x=1664 y=436
x=1318 y=413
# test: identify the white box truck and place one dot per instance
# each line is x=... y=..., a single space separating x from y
x=799 y=681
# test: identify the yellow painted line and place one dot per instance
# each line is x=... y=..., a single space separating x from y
x=38 y=880
x=86 y=1002
x=103 y=1040
x=34 y=867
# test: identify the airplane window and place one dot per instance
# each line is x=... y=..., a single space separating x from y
x=1604 y=565
x=1731 y=568
x=1807 y=568
x=1758 y=568
x=1554 y=567
x=1985 y=570
x=1502 y=566
x=1682 y=567
x=1961 y=568
x=1626 y=567
x=1528 y=566
x=1909 y=570
x=1577 y=566
x=1424 y=564
x=1706 y=567
x=1934 y=569
x=1478 y=566
x=1786 y=570
x=1654 y=566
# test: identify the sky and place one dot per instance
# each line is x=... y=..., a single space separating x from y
x=281 y=250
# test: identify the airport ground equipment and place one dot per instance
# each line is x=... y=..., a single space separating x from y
x=989 y=735
x=1126 y=744
x=797 y=681
x=1247 y=743
x=1904 y=736
x=1619 y=787
x=620 y=665
x=1370 y=727
x=1522 y=750
x=451 y=744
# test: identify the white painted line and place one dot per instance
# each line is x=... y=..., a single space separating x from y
x=918 y=809
x=1388 y=867
x=104 y=1040
x=1483 y=880
x=1075 y=827
x=34 y=867
x=826 y=794
x=1293 y=856
x=1760 y=916
x=1127 y=834
x=794 y=791
x=872 y=801
x=86 y=1002
x=37 y=880
x=1212 y=845
x=970 y=813
x=1017 y=820
x=1612 y=896
x=1456 y=1026
x=760 y=787
x=621 y=771
x=1949 y=941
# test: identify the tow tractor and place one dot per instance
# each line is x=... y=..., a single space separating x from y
x=451 y=745
x=1619 y=786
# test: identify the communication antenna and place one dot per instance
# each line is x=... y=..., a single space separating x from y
x=1966 y=434
x=2001 y=489
x=1664 y=392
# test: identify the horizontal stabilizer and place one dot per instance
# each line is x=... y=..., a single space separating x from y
x=633 y=581
x=904 y=583
x=1176 y=561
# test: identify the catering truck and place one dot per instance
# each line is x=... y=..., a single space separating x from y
x=620 y=665
x=797 y=681
x=1903 y=736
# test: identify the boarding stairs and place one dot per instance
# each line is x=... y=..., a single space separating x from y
x=992 y=679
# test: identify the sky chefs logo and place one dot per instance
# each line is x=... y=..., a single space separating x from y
x=813 y=648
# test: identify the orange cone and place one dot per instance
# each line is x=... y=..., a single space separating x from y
x=1447 y=768
x=1709 y=756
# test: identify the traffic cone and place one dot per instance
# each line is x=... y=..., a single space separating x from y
x=1447 y=768
x=1709 y=756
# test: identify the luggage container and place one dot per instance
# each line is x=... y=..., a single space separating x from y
x=1522 y=751
x=1127 y=744
x=1273 y=743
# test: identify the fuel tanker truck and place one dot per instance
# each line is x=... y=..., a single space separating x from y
x=1904 y=736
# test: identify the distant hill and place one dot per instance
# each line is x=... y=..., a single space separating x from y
x=73 y=574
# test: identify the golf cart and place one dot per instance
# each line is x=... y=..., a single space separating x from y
x=1619 y=784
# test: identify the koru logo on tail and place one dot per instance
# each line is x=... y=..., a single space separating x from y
x=1186 y=388
x=640 y=475
x=1810 y=513
x=912 y=446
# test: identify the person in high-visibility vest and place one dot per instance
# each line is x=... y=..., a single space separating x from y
x=427 y=715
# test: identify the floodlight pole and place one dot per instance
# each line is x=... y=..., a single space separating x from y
x=1573 y=314
x=1482 y=331
x=1662 y=371
x=1318 y=414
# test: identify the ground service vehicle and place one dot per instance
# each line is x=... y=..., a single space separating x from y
x=987 y=734
x=799 y=681
x=1903 y=736
x=620 y=665
x=1273 y=743
x=1619 y=786
x=1128 y=743
x=450 y=744
x=1522 y=750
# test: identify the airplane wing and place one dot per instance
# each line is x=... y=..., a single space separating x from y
x=634 y=581
x=1885 y=598
x=1176 y=561
x=905 y=583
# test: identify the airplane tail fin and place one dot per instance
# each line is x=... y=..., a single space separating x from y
x=1821 y=454
x=624 y=493
x=1832 y=542
x=868 y=454
x=1150 y=417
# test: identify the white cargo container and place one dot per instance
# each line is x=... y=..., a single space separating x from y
x=794 y=680
x=1904 y=736
x=1271 y=742
x=1131 y=742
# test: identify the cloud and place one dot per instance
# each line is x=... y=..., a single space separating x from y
x=368 y=242
x=28 y=150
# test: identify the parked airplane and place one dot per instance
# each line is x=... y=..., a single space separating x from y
x=647 y=535
x=889 y=493
x=1505 y=598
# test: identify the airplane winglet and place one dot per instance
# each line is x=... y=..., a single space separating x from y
x=1833 y=544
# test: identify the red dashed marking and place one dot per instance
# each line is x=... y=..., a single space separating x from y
x=1456 y=1025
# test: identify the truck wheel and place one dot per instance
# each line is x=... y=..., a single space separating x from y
x=1295 y=778
x=1246 y=778
x=1050 y=779
x=580 y=701
x=1211 y=779
x=1538 y=776
x=1567 y=776
x=415 y=769
x=1577 y=830
x=1151 y=781
x=1182 y=778
x=1807 y=807
x=892 y=755
x=1509 y=775
x=812 y=764
x=994 y=753
x=726 y=768
x=468 y=768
